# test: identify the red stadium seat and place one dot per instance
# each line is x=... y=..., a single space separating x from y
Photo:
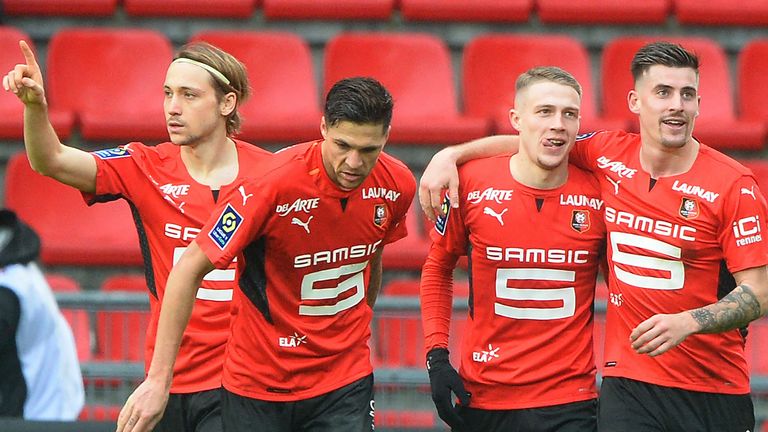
x=717 y=125
x=11 y=109
x=400 y=419
x=191 y=8
x=400 y=338
x=756 y=349
x=71 y=232
x=328 y=9
x=752 y=70
x=112 y=79
x=416 y=69
x=100 y=412
x=492 y=64
x=79 y=320
x=60 y=7
x=603 y=11
x=466 y=10
x=410 y=252
x=722 y=12
x=283 y=105
x=121 y=335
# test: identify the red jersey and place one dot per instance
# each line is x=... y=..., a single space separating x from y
x=667 y=240
x=169 y=209
x=301 y=323
x=534 y=256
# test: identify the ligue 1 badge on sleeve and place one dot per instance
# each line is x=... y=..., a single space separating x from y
x=580 y=220
x=689 y=208
x=380 y=215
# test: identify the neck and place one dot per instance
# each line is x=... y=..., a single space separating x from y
x=660 y=161
x=534 y=176
x=212 y=162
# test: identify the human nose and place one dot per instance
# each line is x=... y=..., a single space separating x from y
x=172 y=105
x=354 y=160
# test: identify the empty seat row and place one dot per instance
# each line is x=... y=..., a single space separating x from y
x=99 y=80
x=713 y=12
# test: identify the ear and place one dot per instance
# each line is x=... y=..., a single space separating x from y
x=323 y=127
x=633 y=101
x=514 y=119
x=386 y=135
x=228 y=104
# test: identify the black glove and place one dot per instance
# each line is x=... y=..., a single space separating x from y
x=443 y=379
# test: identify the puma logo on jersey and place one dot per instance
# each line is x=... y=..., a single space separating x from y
x=299 y=222
x=750 y=191
x=491 y=212
x=485 y=356
x=175 y=190
x=581 y=201
x=377 y=192
x=695 y=190
x=300 y=205
x=242 y=192
x=615 y=184
x=615 y=166
x=490 y=194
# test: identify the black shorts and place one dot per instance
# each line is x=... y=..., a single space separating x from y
x=347 y=409
x=570 y=417
x=629 y=405
x=192 y=412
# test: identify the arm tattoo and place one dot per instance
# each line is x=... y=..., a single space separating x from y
x=735 y=310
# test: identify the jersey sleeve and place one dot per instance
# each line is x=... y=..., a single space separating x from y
x=237 y=220
x=581 y=153
x=397 y=230
x=436 y=295
x=115 y=169
x=741 y=238
x=450 y=231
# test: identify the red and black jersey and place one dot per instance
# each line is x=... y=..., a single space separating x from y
x=667 y=241
x=534 y=257
x=300 y=322
x=169 y=209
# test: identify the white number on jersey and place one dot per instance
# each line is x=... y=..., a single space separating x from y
x=674 y=266
x=566 y=295
x=355 y=282
x=217 y=275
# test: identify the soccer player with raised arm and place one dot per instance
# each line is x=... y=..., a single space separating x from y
x=308 y=234
x=532 y=227
x=686 y=258
x=172 y=188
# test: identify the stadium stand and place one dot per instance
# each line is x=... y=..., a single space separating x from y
x=466 y=10
x=117 y=103
x=722 y=12
x=71 y=233
x=101 y=8
x=603 y=11
x=717 y=124
x=11 y=111
x=426 y=110
x=752 y=68
x=328 y=9
x=283 y=106
x=191 y=8
x=410 y=252
x=120 y=335
x=79 y=320
x=492 y=63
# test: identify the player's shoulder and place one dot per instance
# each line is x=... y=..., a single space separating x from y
x=583 y=179
x=485 y=163
x=395 y=167
x=727 y=168
x=250 y=152
x=279 y=166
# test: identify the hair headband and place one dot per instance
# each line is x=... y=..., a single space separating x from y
x=218 y=75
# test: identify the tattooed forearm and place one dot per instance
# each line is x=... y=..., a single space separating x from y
x=735 y=310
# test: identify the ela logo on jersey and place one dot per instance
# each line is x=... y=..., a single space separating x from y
x=113 y=153
x=442 y=221
x=226 y=227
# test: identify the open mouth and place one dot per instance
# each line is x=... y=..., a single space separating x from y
x=554 y=142
x=675 y=123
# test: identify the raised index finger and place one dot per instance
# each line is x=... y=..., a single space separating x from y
x=29 y=56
